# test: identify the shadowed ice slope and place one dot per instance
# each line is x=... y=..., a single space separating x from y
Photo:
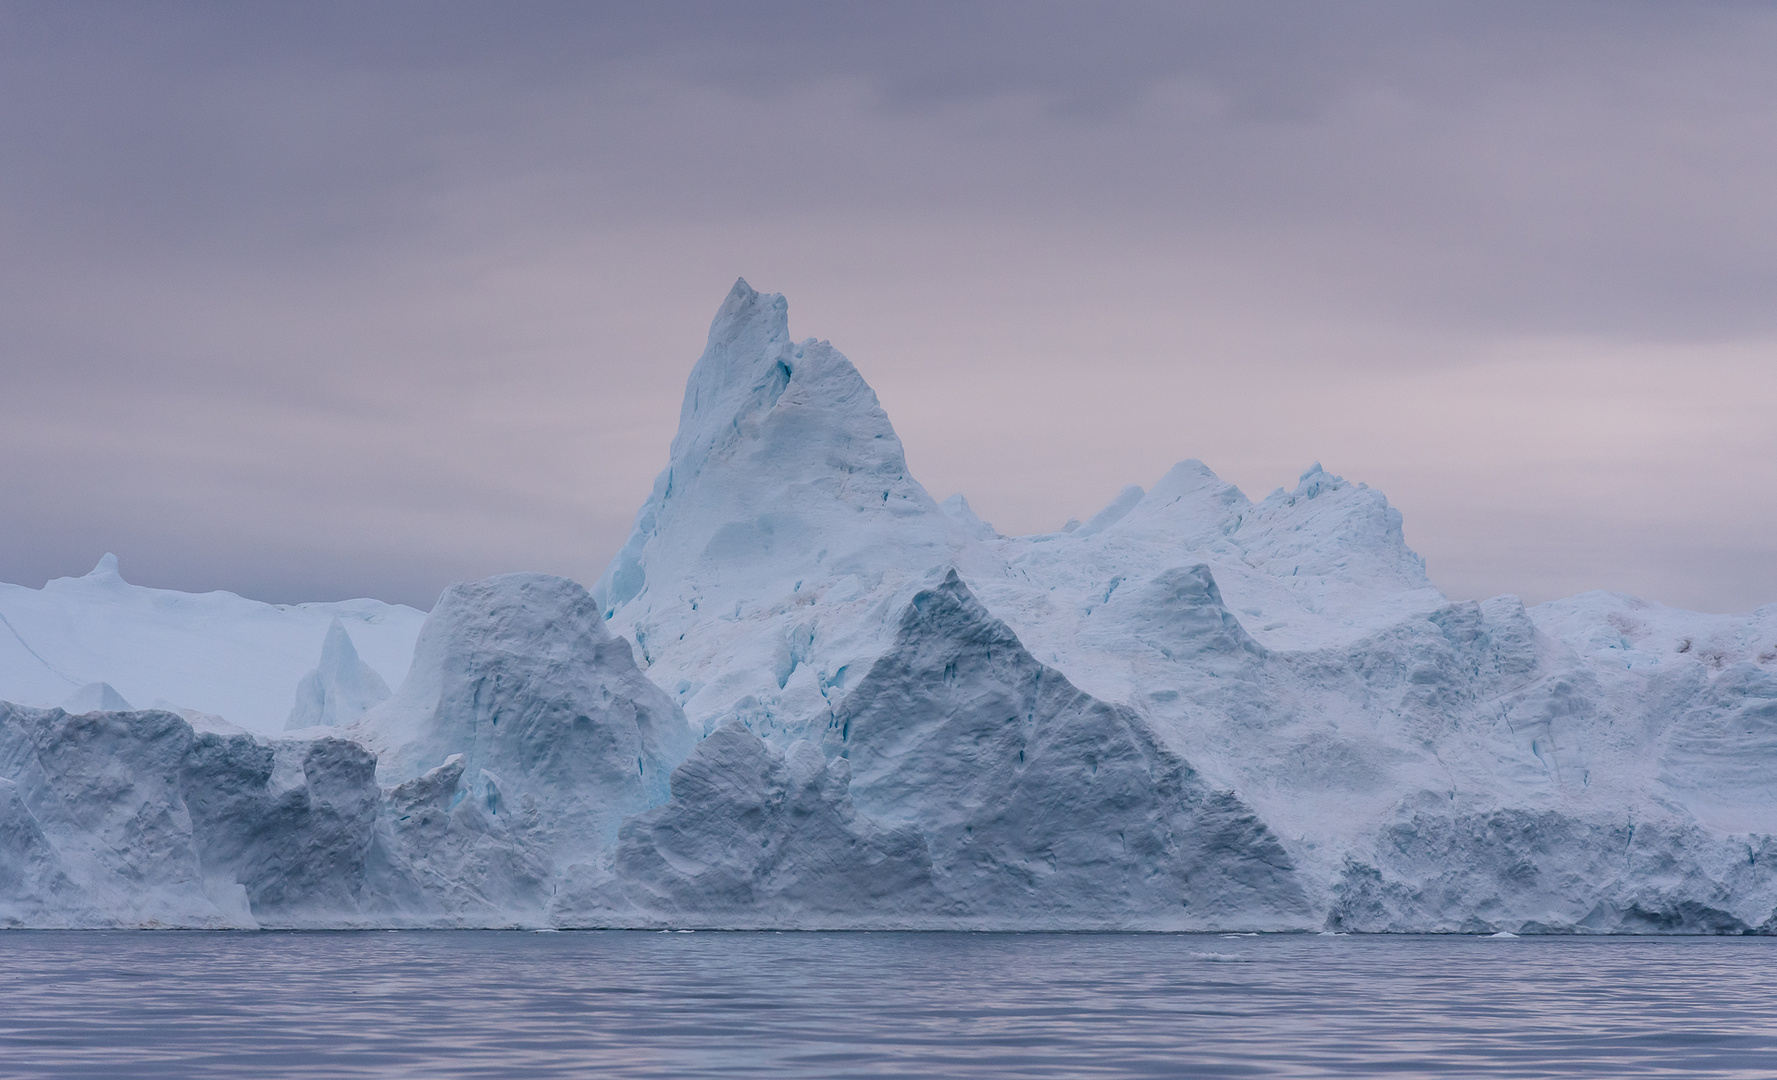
x=962 y=784
x=1039 y=801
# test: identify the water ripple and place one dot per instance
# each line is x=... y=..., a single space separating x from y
x=623 y=1004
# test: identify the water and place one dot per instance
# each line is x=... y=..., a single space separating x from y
x=636 y=1004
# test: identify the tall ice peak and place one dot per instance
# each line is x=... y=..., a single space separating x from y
x=785 y=519
x=784 y=459
x=749 y=343
x=798 y=410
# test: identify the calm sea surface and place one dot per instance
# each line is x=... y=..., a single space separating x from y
x=636 y=1004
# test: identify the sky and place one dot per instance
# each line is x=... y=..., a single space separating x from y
x=317 y=300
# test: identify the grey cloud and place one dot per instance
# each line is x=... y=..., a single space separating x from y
x=417 y=283
x=1573 y=167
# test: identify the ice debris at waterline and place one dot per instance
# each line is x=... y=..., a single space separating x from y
x=805 y=694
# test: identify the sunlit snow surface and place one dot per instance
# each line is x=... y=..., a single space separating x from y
x=639 y=1005
x=806 y=694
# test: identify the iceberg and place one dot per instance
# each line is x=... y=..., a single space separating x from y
x=539 y=732
x=805 y=694
x=213 y=653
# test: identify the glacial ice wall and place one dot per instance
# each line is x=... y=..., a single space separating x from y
x=806 y=694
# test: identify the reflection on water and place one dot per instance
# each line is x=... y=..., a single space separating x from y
x=635 y=1004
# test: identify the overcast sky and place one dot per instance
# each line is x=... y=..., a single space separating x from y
x=314 y=300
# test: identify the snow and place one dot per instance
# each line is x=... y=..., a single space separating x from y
x=806 y=694
x=214 y=653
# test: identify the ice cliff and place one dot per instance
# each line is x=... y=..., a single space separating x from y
x=806 y=694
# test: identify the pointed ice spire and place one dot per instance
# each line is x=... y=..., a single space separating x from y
x=746 y=362
x=1118 y=509
x=957 y=508
x=755 y=397
x=1314 y=480
x=783 y=466
x=1332 y=527
x=1190 y=507
x=96 y=696
x=340 y=690
x=105 y=573
x=759 y=570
